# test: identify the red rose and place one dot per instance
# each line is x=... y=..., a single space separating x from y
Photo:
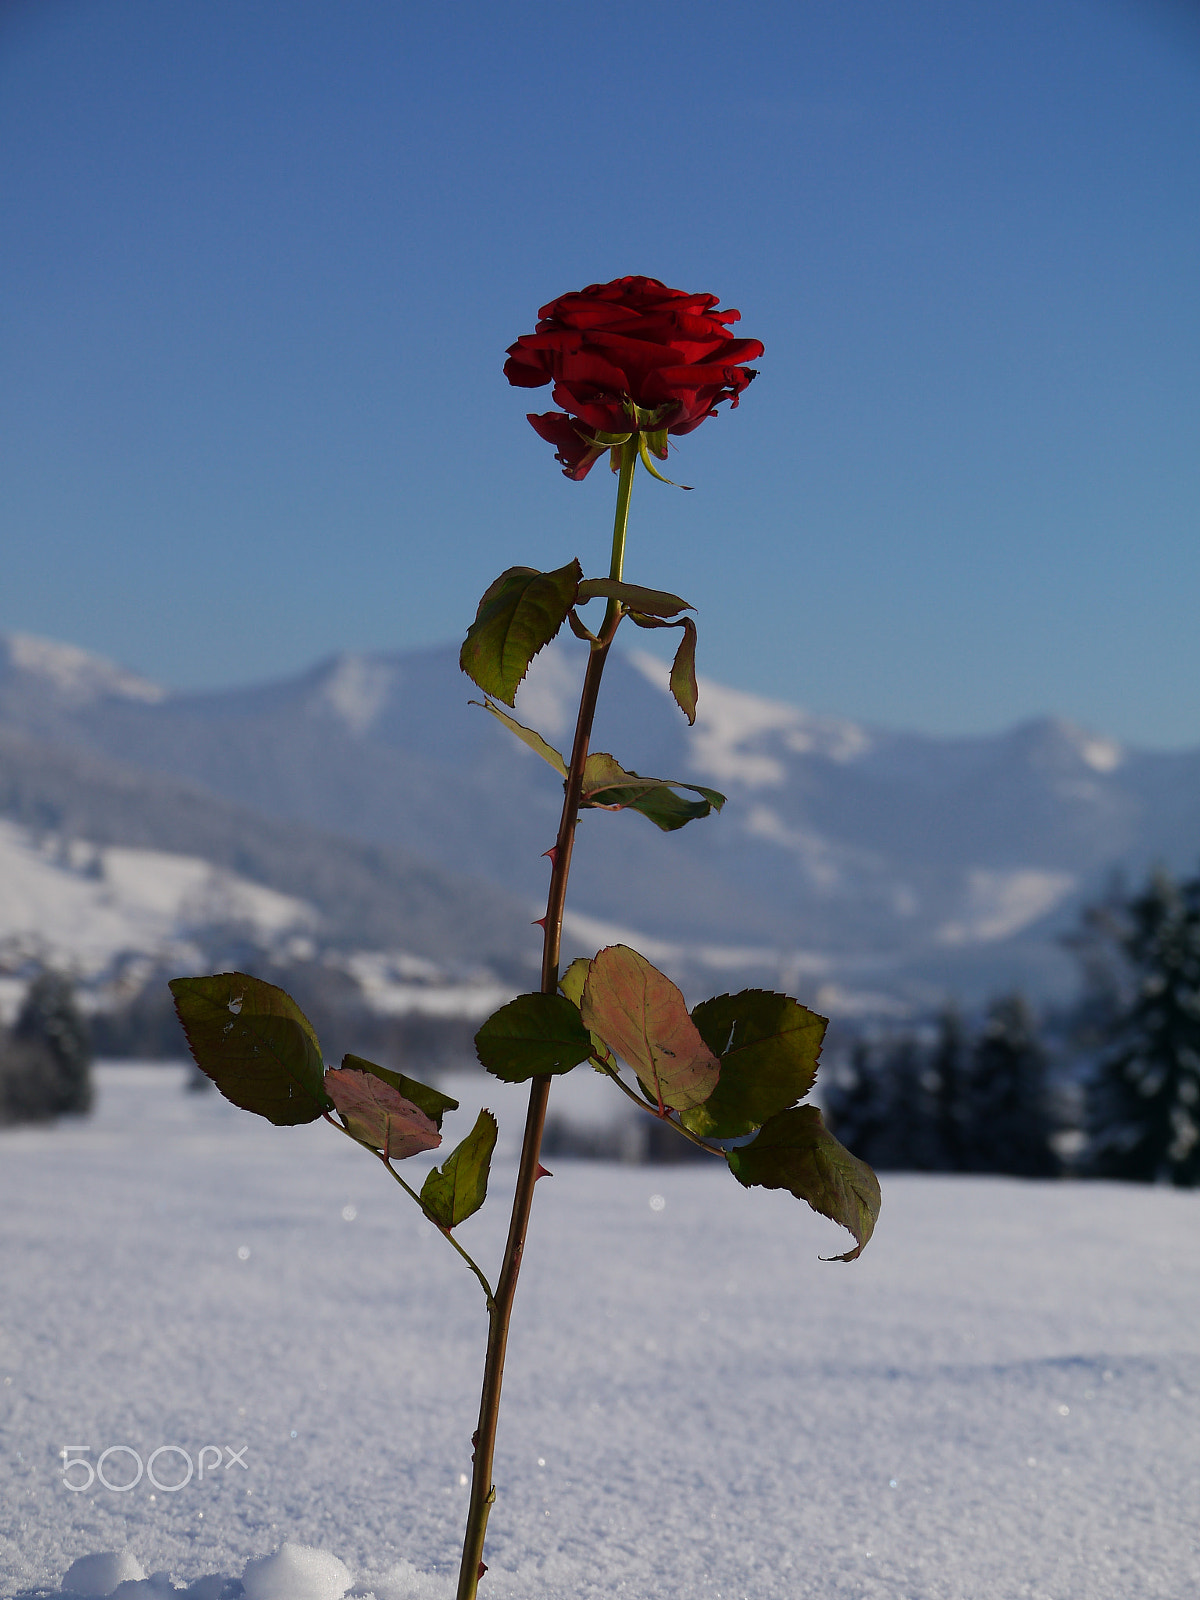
x=630 y=355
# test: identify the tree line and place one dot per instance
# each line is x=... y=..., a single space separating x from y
x=1110 y=1089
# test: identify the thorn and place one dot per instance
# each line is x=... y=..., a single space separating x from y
x=482 y=1570
x=553 y=855
x=539 y=922
x=542 y=1172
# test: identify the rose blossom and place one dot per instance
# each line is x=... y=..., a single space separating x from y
x=630 y=354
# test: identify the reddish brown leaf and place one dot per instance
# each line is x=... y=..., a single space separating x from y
x=379 y=1115
x=641 y=1015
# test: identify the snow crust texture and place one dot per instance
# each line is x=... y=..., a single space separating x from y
x=101 y=1573
x=1000 y=1401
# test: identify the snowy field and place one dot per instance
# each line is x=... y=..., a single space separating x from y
x=1001 y=1400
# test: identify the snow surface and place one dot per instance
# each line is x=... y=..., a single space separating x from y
x=357 y=689
x=397 y=984
x=102 y=1572
x=999 y=904
x=79 y=677
x=101 y=912
x=731 y=723
x=998 y=1402
x=80 y=906
x=296 y=1572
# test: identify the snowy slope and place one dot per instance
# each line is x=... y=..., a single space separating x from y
x=80 y=906
x=1000 y=1401
x=368 y=895
x=116 y=917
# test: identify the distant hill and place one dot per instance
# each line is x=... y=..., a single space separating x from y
x=362 y=893
x=860 y=866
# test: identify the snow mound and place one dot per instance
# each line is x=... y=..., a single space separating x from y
x=405 y=1582
x=101 y=1573
x=296 y=1572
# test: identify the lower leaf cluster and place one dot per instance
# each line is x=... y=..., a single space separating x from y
x=261 y=1051
x=732 y=1069
x=728 y=1075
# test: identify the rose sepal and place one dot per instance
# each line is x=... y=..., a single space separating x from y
x=652 y=469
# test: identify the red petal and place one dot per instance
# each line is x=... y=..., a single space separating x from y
x=577 y=455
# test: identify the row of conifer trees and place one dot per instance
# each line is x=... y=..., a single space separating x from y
x=1111 y=1089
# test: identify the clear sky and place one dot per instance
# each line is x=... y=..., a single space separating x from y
x=260 y=259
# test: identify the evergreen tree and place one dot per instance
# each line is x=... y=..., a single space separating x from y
x=1144 y=1099
x=949 y=1074
x=884 y=1107
x=1007 y=1118
x=45 y=1063
x=858 y=1104
x=910 y=1143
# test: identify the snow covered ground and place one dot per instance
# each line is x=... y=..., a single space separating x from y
x=82 y=907
x=1000 y=1401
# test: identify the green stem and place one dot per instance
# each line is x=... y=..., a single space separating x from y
x=445 y=1232
x=651 y=1111
x=629 y=457
x=412 y=1193
x=483 y=1493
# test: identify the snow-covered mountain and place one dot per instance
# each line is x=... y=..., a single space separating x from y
x=855 y=864
x=124 y=877
x=104 y=912
x=117 y=918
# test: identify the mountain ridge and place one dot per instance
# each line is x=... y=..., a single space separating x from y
x=917 y=863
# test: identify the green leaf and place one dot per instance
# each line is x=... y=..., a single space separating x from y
x=660 y=805
x=650 y=602
x=682 y=681
x=379 y=1115
x=683 y=671
x=571 y=983
x=573 y=979
x=641 y=1015
x=256 y=1045
x=533 y=1036
x=795 y=1151
x=456 y=1190
x=580 y=629
x=518 y=616
x=769 y=1045
x=432 y=1102
x=609 y=787
x=528 y=736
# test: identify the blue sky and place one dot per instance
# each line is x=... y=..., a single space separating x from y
x=260 y=262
